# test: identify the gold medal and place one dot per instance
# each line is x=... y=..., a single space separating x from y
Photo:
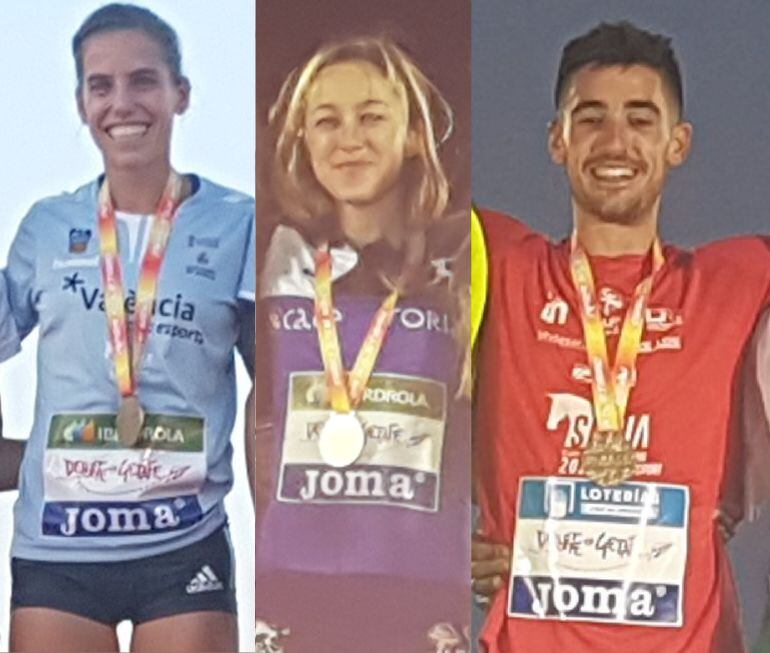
x=341 y=440
x=609 y=458
x=129 y=421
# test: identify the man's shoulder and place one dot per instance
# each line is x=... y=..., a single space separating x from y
x=739 y=253
x=501 y=224
x=738 y=267
x=502 y=232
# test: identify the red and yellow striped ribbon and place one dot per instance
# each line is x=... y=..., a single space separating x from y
x=127 y=357
x=346 y=390
x=611 y=385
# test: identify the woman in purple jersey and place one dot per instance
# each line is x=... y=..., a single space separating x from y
x=363 y=431
x=130 y=90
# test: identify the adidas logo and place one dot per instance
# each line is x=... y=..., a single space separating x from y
x=204 y=581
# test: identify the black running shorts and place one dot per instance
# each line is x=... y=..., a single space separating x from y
x=198 y=577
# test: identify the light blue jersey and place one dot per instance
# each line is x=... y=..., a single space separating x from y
x=83 y=496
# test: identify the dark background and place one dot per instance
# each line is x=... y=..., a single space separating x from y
x=723 y=49
x=435 y=32
x=724 y=188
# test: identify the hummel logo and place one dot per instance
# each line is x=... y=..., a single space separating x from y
x=204 y=581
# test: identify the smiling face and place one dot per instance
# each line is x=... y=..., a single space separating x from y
x=618 y=135
x=356 y=132
x=129 y=98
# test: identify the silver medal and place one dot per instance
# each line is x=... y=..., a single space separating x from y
x=342 y=439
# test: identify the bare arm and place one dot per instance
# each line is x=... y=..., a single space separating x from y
x=11 y=452
x=490 y=566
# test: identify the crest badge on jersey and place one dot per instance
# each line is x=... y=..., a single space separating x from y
x=79 y=239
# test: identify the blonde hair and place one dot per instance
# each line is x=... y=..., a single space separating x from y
x=297 y=191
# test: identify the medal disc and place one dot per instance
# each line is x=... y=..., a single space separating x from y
x=129 y=421
x=341 y=440
x=609 y=459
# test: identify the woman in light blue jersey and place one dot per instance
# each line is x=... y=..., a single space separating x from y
x=142 y=284
x=363 y=515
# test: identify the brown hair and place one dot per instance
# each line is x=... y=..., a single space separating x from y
x=298 y=193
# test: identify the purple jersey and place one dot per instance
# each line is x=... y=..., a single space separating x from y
x=402 y=510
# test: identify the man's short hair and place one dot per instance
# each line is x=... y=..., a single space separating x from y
x=623 y=44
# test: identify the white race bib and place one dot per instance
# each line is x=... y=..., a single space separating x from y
x=584 y=552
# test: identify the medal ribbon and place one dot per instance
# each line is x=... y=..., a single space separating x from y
x=127 y=357
x=346 y=391
x=611 y=386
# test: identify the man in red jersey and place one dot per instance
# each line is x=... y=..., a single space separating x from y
x=605 y=371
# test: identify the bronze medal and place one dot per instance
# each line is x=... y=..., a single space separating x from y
x=127 y=348
x=129 y=421
x=609 y=459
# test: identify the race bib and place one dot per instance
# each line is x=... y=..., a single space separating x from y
x=96 y=487
x=584 y=552
x=404 y=419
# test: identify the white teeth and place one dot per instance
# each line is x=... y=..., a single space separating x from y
x=613 y=172
x=127 y=131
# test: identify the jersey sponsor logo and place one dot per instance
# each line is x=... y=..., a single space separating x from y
x=611 y=306
x=385 y=392
x=175 y=308
x=202 y=266
x=583 y=552
x=160 y=432
x=404 y=420
x=662 y=319
x=201 y=271
x=105 y=519
x=555 y=311
x=442 y=268
x=204 y=581
x=610 y=301
x=581 y=372
x=92 y=298
x=78 y=240
x=301 y=318
x=665 y=343
x=396 y=396
x=296 y=319
x=86 y=462
x=78 y=262
x=565 y=342
x=362 y=483
x=208 y=242
x=575 y=599
x=572 y=416
x=176 y=331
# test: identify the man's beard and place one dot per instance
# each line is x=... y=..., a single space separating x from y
x=616 y=208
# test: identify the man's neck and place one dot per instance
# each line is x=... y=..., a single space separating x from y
x=138 y=190
x=602 y=238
